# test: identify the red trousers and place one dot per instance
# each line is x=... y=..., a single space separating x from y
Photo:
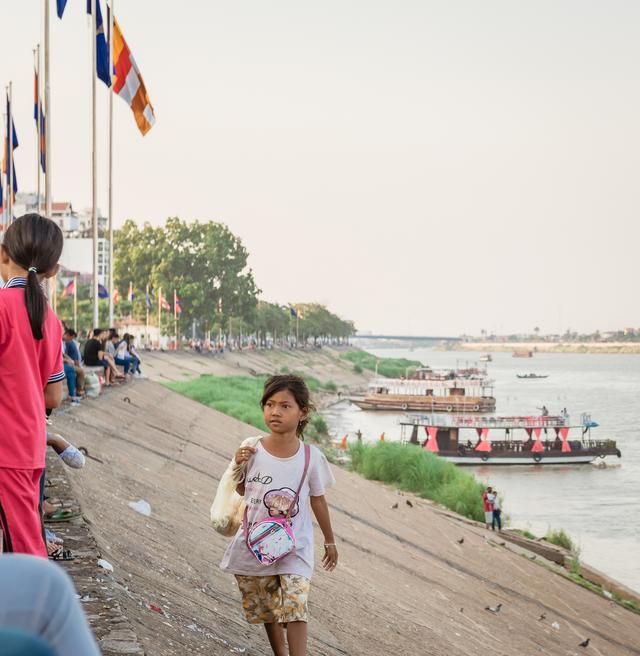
x=20 y=518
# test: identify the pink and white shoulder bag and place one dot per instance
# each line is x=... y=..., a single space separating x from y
x=271 y=539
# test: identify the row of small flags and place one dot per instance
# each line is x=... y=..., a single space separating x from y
x=127 y=83
x=103 y=292
x=70 y=290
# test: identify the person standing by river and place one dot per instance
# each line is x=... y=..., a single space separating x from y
x=284 y=480
x=497 y=512
x=487 y=500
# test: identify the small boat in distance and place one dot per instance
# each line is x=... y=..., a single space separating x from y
x=522 y=354
x=453 y=390
x=486 y=358
x=466 y=440
x=532 y=376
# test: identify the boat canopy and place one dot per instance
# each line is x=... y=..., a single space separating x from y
x=503 y=422
x=412 y=386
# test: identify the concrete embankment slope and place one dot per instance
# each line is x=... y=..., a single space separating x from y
x=404 y=585
x=324 y=364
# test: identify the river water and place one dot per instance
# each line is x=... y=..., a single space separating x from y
x=598 y=505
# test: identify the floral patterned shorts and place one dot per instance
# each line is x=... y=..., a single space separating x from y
x=281 y=598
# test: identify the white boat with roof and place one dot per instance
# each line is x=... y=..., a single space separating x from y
x=467 y=389
x=498 y=440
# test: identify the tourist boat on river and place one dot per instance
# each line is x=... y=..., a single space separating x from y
x=470 y=440
x=486 y=358
x=522 y=354
x=465 y=389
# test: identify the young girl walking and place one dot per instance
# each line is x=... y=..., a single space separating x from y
x=283 y=479
x=31 y=375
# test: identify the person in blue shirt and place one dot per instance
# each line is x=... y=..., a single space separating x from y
x=72 y=363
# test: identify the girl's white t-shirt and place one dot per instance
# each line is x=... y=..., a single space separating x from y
x=270 y=486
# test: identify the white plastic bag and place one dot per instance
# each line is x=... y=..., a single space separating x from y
x=92 y=385
x=228 y=506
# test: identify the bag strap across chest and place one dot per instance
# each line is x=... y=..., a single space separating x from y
x=292 y=505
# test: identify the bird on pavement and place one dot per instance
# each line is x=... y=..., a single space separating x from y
x=461 y=541
x=585 y=643
x=395 y=505
x=409 y=504
x=493 y=609
x=543 y=616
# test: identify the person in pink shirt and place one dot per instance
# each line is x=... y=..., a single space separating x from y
x=31 y=376
x=487 y=500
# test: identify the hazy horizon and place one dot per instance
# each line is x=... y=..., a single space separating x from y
x=419 y=167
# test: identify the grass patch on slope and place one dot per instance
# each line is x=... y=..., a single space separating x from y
x=239 y=397
x=413 y=469
x=236 y=396
x=389 y=367
x=561 y=539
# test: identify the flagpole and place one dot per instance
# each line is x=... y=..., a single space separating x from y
x=175 y=318
x=110 y=47
x=75 y=303
x=147 y=299
x=47 y=116
x=5 y=177
x=159 y=315
x=94 y=166
x=9 y=157
x=36 y=65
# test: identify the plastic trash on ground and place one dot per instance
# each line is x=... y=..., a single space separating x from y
x=105 y=564
x=141 y=507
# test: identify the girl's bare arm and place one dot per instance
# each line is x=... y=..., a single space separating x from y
x=321 y=512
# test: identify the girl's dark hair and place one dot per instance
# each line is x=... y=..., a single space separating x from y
x=298 y=389
x=34 y=243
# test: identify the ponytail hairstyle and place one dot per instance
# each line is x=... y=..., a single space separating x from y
x=34 y=243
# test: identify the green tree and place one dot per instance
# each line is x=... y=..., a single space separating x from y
x=204 y=262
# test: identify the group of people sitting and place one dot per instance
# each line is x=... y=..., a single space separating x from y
x=104 y=349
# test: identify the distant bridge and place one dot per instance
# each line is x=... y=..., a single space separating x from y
x=409 y=338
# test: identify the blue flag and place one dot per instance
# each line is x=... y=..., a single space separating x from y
x=61 y=5
x=37 y=106
x=10 y=144
x=148 y=300
x=102 y=292
x=102 y=48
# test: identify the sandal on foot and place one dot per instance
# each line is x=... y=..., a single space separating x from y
x=62 y=554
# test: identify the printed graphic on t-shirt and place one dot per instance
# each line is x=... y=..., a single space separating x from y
x=278 y=502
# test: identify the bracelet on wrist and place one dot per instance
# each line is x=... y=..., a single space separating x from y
x=329 y=544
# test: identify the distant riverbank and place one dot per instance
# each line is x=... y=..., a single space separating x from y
x=552 y=347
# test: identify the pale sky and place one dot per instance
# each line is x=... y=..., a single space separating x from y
x=421 y=167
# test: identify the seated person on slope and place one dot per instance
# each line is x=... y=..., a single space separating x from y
x=122 y=356
x=95 y=356
x=71 y=355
